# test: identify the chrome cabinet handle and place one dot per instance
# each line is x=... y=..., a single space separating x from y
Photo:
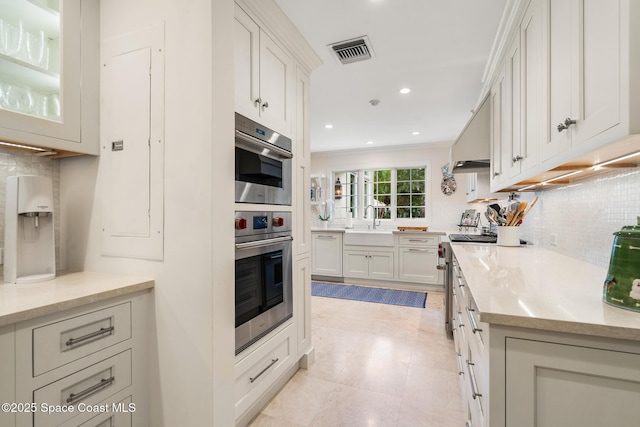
x=258 y=101
x=265 y=105
x=496 y=174
x=517 y=158
x=74 y=397
x=321 y=236
x=472 y=380
x=418 y=250
x=459 y=362
x=273 y=362
x=567 y=122
x=472 y=320
x=102 y=331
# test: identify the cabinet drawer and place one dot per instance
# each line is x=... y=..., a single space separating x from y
x=86 y=387
x=256 y=373
x=420 y=241
x=110 y=414
x=62 y=342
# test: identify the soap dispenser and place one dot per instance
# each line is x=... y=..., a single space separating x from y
x=29 y=243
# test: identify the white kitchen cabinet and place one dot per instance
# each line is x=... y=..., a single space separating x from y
x=551 y=384
x=515 y=376
x=90 y=355
x=583 y=65
x=418 y=259
x=498 y=132
x=302 y=298
x=370 y=263
x=264 y=76
x=525 y=66
x=326 y=259
x=257 y=371
x=50 y=91
x=302 y=163
x=7 y=373
x=478 y=188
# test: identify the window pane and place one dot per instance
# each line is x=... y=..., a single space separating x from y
x=404 y=213
x=417 y=212
x=417 y=174
x=403 y=200
x=404 y=174
x=404 y=187
x=417 y=187
x=417 y=200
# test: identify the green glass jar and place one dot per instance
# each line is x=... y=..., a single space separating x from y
x=622 y=286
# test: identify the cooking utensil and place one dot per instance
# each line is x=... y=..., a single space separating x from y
x=521 y=207
x=526 y=211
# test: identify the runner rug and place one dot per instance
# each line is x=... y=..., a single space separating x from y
x=368 y=294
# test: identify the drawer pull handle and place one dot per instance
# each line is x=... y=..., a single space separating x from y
x=474 y=325
x=321 y=236
x=459 y=361
x=418 y=240
x=472 y=380
x=418 y=250
x=102 y=331
x=91 y=390
x=273 y=362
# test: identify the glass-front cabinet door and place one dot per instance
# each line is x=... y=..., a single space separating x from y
x=42 y=72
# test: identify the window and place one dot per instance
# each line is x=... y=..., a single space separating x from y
x=386 y=193
x=410 y=194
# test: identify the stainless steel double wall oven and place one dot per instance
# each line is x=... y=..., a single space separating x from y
x=263 y=261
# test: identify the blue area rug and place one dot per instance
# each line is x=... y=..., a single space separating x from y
x=363 y=293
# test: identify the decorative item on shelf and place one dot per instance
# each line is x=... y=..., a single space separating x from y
x=622 y=285
x=448 y=186
x=325 y=212
x=338 y=190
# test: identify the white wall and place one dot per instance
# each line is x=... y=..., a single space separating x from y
x=192 y=361
x=442 y=212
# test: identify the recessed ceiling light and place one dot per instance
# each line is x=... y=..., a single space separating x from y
x=405 y=90
x=328 y=126
x=369 y=142
x=415 y=133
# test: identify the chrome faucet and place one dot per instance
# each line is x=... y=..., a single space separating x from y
x=373 y=215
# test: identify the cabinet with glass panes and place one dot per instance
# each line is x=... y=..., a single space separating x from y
x=49 y=75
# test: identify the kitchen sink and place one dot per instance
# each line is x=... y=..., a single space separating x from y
x=368 y=237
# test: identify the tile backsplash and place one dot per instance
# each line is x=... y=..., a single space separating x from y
x=17 y=163
x=583 y=216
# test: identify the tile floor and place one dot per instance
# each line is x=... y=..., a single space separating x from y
x=376 y=365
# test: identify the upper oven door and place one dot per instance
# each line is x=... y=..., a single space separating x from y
x=263 y=168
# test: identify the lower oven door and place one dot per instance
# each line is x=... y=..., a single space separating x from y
x=263 y=288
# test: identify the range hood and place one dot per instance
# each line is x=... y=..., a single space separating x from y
x=470 y=153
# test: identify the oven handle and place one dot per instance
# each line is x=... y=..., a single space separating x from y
x=260 y=243
x=253 y=141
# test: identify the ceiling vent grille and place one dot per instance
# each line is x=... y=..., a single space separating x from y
x=353 y=50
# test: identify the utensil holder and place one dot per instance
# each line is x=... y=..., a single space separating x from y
x=508 y=236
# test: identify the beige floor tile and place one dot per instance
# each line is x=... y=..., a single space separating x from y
x=375 y=365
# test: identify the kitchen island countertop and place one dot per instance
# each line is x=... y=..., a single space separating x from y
x=530 y=287
x=27 y=301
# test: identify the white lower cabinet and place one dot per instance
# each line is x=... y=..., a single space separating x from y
x=371 y=264
x=326 y=248
x=418 y=259
x=259 y=370
x=514 y=376
x=552 y=384
x=82 y=367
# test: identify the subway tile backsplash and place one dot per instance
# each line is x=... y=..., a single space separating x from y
x=12 y=163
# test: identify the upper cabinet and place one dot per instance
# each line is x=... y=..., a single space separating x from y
x=49 y=68
x=583 y=65
x=565 y=91
x=264 y=76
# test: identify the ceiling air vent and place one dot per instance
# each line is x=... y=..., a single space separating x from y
x=354 y=50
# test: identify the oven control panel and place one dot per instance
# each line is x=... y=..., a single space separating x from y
x=259 y=223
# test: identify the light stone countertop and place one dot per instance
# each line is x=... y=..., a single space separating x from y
x=378 y=230
x=531 y=287
x=27 y=301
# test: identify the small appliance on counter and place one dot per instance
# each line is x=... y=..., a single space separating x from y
x=622 y=285
x=29 y=245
